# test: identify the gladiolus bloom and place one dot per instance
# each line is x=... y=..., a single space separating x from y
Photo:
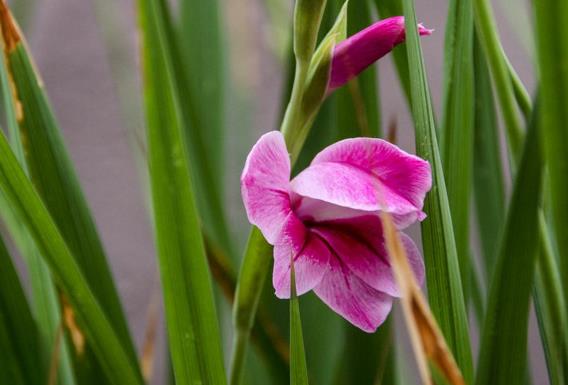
x=327 y=219
x=353 y=55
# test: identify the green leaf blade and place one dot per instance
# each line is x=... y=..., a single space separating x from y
x=192 y=323
x=54 y=177
x=197 y=50
x=503 y=352
x=45 y=304
x=19 y=335
x=489 y=190
x=457 y=126
x=445 y=291
x=552 y=48
x=550 y=308
x=298 y=367
x=25 y=201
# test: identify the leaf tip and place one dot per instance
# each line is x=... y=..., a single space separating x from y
x=10 y=31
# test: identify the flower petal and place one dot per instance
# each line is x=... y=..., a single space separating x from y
x=359 y=51
x=359 y=243
x=315 y=210
x=352 y=298
x=311 y=258
x=367 y=174
x=265 y=185
x=414 y=258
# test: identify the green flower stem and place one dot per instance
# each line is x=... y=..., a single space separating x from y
x=253 y=273
x=256 y=262
x=292 y=122
x=500 y=72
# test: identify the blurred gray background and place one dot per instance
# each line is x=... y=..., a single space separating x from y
x=67 y=39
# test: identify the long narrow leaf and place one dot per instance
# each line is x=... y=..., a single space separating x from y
x=201 y=43
x=503 y=352
x=551 y=309
x=54 y=178
x=298 y=368
x=25 y=201
x=45 y=304
x=192 y=324
x=489 y=39
x=552 y=48
x=445 y=291
x=552 y=322
x=44 y=299
x=19 y=339
x=457 y=126
x=489 y=190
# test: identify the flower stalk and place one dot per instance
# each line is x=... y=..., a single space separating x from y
x=256 y=261
x=312 y=78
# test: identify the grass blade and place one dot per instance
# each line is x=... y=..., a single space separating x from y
x=445 y=291
x=488 y=36
x=489 y=190
x=201 y=63
x=204 y=61
x=44 y=300
x=54 y=177
x=457 y=126
x=18 y=335
x=25 y=201
x=503 y=352
x=552 y=49
x=549 y=300
x=509 y=87
x=45 y=304
x=550 y=309
x=298 y=368
x=192 y=323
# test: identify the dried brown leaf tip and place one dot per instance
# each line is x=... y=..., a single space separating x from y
x=10 y=31
x=149 y=347
x=427 y=340
x=77 y=336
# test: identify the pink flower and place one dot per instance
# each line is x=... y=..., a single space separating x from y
x=353 y=55
x=327 y=218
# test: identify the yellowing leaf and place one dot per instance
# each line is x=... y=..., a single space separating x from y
x=427 y=340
